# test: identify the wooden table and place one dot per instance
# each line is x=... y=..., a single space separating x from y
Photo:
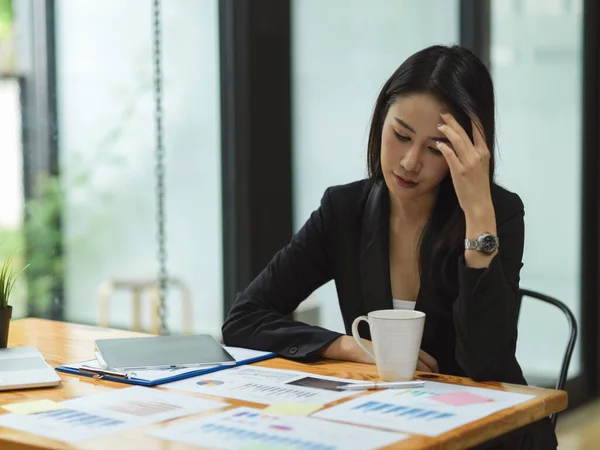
x=62 y=343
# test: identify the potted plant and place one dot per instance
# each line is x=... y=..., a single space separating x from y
x=8 y=277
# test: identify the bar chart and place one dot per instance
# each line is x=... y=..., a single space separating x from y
x=245 y=437
x=408 y=412
x=111 y=412
x=413 y=416
x=250 y=428
x=67 y=424
x=433 y=410
x=76 y=419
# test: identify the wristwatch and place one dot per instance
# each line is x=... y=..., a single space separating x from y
x=486 y=243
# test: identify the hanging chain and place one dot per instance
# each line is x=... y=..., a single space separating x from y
x=160 y=170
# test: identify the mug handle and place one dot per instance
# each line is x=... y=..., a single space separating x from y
x=357 y=337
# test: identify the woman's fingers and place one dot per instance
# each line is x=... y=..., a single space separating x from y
x=467 y=150
x=451 y=158
x=428 y=361
x=421 y=367
x=456 y=127
x=457 y=143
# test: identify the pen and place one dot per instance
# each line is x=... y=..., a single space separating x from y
x=386 y=385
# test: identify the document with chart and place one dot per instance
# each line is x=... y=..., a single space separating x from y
x=102 y=414
x=433 y=410
x=249 y=428
x=263 y=385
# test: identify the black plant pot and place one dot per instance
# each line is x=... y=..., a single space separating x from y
x=5 y=315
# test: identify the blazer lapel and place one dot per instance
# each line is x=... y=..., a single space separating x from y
x=374 y=251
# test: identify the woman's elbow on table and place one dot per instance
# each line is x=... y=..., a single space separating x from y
x=236 y=331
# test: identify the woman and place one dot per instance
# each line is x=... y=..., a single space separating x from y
x=429 y=229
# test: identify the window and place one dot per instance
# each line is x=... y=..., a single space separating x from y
x=106 y=147
x=11 y=187
x=11 y=159
x=343 y=52
x=537 y=74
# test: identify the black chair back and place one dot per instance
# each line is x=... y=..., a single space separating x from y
x=562 y=378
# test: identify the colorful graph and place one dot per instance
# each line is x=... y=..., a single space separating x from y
x=246 y=414
x=210 y=383
x=77 y=418
x=255 y=415
x=407 y=412
x=416 y=393
x=249 y=437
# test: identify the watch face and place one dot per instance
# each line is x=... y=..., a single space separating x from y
x=487 y=243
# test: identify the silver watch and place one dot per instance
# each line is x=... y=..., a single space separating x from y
x=486 y=243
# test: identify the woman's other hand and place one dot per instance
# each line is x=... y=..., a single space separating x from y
x=427 y=363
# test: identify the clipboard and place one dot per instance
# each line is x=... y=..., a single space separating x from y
x=161 y=352
x=149 y=378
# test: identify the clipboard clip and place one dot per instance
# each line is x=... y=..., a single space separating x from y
x=100 y=373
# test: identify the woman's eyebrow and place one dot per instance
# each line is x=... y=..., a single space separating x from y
x=433 y=138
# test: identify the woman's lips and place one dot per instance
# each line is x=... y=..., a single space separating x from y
x=402 y=182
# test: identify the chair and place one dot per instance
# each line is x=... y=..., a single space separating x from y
x=562 y=378
x=138 y=287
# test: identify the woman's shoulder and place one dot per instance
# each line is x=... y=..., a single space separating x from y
x=351 y=191
x=506 y=203
x=348 y=200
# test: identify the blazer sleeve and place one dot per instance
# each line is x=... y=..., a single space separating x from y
x=487 y=308
x=260 y=318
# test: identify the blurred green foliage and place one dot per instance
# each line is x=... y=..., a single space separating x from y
x=6 y=19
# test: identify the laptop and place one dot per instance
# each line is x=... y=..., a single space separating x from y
x=161 y=352
x=25 y=367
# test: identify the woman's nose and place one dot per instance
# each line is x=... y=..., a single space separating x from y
x=412 y=160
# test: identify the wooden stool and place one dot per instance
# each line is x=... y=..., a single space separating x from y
x=138 y=287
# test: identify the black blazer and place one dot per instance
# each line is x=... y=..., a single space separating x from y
x=473 y=333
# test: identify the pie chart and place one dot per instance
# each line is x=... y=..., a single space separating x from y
x=209 y=382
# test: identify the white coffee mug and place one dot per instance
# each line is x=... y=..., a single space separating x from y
x=396 y=335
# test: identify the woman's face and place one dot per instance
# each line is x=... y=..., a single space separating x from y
x=411 y=163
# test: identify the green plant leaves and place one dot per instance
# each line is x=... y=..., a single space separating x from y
x=7 y=280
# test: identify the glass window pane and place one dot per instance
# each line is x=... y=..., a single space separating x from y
x=11 y=159
x=106 y=138
x=537 y=74
x=11 y=187
x=343 y=52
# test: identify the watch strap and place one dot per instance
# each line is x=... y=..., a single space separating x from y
x=482 y=243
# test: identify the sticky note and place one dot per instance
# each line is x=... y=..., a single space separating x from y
x=292 y=409
x=33 y=407
x=263 y=446
x=460 y=398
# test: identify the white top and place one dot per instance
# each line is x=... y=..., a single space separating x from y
x=404 y=304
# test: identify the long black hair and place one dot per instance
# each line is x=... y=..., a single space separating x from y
x=457 y=78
